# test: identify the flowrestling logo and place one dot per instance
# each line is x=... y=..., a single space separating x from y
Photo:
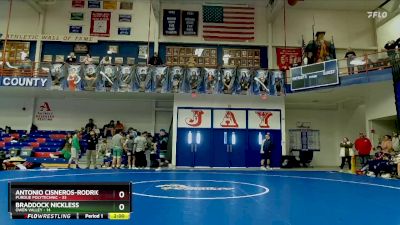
x=181 y=187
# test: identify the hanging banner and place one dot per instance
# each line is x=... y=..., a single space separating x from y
x=110 y=4
x=124 y=31
x=126 y=5
x=75 y=29
x=287 y=58
x=94 y=4
x=211 y=80
x=171 y=22
x=100 y=24
x=176 y=79
x=14 y=81
x=190 y=23
x=78 y=3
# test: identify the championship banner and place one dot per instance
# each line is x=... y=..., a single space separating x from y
x=176 y=79
x=194 y=80
x=228 y=80
x=160 y=79
x=78 y=3
x=94 y=4
x=91 y=80
x=110 y=4
x=126 y=78
x=211 y=80
x=244 y=81
x=288 y=57
x=190 y=23
x=171 y=22
x=100 y=24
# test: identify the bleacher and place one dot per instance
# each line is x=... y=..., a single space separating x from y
x=37 y=146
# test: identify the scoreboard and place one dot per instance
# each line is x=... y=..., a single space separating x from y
x=69 y=200
x=315 y=75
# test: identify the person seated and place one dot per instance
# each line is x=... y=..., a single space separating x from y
x=106 y=61
x=380 y=165
x=119 y=126
x=88 y=60
x=65 y=152
x=109 y=129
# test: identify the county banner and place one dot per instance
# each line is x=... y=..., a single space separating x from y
x=100 y=24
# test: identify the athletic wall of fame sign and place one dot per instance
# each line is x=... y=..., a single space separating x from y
x=228 y=80
x=193 y=80
x=244 y=81
x=229 y=119
x=194 y=118
x=264 y=119
x=176 y=76
x=211 y=80
x=160 y=79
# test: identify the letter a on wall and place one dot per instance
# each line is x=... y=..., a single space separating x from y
x=229 y=120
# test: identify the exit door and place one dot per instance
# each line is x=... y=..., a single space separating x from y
x=229 y=148
x=193 y=148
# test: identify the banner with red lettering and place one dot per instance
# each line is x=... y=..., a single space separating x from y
x=264 y=119
x=78 y=3
x=288 y=57
x=229 y=119
x=194 y=118
x=100 y=24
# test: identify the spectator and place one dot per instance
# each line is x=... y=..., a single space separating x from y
x=66 y=151
x=140 y=147
x=75 y=149
x=119 y=126
x=150 y=147
x=350 y=55
x=155 y=60
x=346 y=152
x=71 y=58
x=129 y=147
x=266 y=151
x=396 y=142
x=163 y=146
x=117 y=149
x=109 y=129
x=90 y=126
x=91 y=151
x=33 y=129
x=104 y=152
x=387 y=146
x=363 y=146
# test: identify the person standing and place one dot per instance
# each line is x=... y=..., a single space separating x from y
x=155 y=60
x=140 y=147
x=163 y=147
x=350 y=55
x=91 y=152
x=395 y=142
x=90 y=125
x=346 y=152
x=117 y=149
x=363 y=146
x=75 y=150
x=266 y=152
x=150 y=146
x=128 y=146
x=71 y=58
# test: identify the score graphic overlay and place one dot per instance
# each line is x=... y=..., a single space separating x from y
x=69 y=200
x=315 y=75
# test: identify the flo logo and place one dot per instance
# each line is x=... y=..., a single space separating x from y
x=181 y=187
x=196 y=119
x=45 y=112
x=378 y=15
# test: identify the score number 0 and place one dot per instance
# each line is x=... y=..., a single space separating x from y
x=121 y=194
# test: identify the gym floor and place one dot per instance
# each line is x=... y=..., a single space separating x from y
x=233 y=197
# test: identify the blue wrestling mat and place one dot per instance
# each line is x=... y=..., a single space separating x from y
x=232 y=197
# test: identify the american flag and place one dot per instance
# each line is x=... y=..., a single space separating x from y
x=228 y=23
